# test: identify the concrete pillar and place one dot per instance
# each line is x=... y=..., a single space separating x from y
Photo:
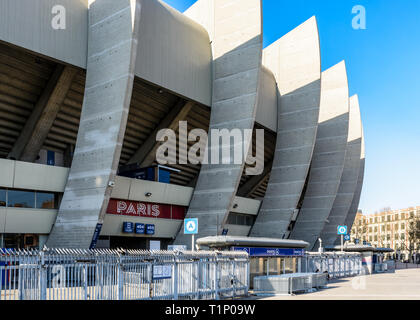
x=328 y=157
x=235 y=30
x=349 y=177
x=296 y=64
x=113 y=33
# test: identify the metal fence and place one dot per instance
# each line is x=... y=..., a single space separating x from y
x=72 y=274
x=337 y=265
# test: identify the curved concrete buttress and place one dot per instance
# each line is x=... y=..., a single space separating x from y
x=349 y=177
x=296 y=63
x=356 y=199
x=328 y=157
x=113 y=32
x=235 y=28
x=174 y=52
x=267 y=100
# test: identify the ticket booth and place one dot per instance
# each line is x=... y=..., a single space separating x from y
x=268 y=256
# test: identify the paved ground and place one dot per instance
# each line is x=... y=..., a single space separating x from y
x=401 y=285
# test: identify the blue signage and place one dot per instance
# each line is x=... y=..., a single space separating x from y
x=271 y=252
x=139 y=228
x=356 y=241
x=191 y=226
x=347 y=237
x=150 y=229
x=225 y=232
x=342 y=230
x=95 y=236
x=128 y=227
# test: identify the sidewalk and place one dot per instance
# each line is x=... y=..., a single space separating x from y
x=401 y=285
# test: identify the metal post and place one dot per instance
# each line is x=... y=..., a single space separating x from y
x=120 y=280
x=342 y=243
x=216 y=279
x=42 y=278
x=192 y=243
x=175 y=280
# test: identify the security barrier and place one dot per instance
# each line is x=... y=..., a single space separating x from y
x=336 y=264
x=75 y=274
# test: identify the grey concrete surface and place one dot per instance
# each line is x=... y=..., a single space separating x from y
x=110 y=73
x=236 y=34
x=295 y=61
x=349 y=177
x=351 y=215
x=401 y=285
x=328 y=158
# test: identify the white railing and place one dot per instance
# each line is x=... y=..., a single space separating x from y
x=74 y=274
x=337 y=265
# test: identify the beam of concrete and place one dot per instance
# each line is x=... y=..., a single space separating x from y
x=296 y=63
x=328 y=157
x=236 y=34
x=39 y=123
x=254 y=182
x=351 y=215
x=112 y=48
x=146 y=154
x=349 y=177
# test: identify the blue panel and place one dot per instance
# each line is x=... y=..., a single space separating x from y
x=128 y=227
x=150 y=229
x=271 y=252
x=50 y=158
x=164 y=176
x=140 y=228
x=150 y=174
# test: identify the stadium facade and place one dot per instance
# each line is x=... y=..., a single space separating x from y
x=86 y=87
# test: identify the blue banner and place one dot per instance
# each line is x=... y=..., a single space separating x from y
x=95 y=236
x=271 y=252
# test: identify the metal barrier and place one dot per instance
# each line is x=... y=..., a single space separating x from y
x=336 y=264
x=74 y=274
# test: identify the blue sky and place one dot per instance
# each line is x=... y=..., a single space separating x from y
x=383 y=65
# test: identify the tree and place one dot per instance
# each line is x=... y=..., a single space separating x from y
x=414 y=234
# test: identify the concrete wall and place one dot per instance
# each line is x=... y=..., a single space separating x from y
x=295 y=61
x=349 y=177
x=26 y=220
x=174 y=52
x=110 y=73
x=235 y=29
x=28 y=24
x=328 y=157
x=164 y=228
x=351 y=215
x=31 y=176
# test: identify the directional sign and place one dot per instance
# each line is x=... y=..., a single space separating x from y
x=342 y=230
x=191 y=226
x=347 y=237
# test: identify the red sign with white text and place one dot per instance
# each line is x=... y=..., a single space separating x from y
x=145 y=209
